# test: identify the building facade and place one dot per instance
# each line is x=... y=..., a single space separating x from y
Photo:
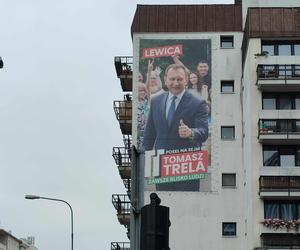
x=10 y=242
x=243 y=192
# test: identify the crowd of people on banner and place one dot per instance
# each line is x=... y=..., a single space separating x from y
x=199 y=83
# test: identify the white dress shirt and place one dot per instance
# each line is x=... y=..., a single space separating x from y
x=169 y=101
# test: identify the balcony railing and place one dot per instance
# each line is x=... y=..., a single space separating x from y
x=279 y=129
x=279 y=184
x=287 y=241
x=122 y=159
x=122 y=204
x=120 y=245
x=278 y=71
x=123 y=111
x=121 y=156
x=123 y=65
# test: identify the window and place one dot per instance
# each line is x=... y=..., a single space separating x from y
x=269 y=49
x=227 y=133
x=284 y=156
x=284 y=50
x=297 y=49
x=227 y=86
x=281 y=48
x=285 y=102
x=229 y=228
x=269 y=102
x=279 y=101
x=271 y=156
x=228 y=180
x=284 y=210
x=226 y=42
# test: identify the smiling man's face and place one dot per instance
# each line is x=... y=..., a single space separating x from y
x=176 y=80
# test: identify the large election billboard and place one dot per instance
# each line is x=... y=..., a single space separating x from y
x=174 y=113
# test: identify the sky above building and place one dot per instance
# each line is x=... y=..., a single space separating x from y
x=57 y=125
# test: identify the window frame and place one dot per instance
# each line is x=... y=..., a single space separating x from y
x=229 y=186
x=279 y=150
x=233 y=135
x=281 y=203
x=224 y=82
x=230 y=40
x=229 y=223
x=277 y=43
x=278 y=97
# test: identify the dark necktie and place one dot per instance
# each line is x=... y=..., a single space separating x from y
x=171 y=111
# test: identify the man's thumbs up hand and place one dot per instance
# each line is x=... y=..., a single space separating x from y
x=183 y=130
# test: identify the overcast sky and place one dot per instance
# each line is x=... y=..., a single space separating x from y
x=57 y=125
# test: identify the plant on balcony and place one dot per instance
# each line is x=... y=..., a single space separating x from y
x=280 y=224
x=263 y=53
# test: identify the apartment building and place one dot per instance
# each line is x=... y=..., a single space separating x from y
x=229 y=172
x=10 y=242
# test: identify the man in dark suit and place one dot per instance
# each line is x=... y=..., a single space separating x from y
x=177 y=119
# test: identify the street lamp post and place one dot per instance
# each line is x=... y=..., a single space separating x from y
x=35 y=197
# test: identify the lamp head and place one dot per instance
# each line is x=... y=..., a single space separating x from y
x=31 y=197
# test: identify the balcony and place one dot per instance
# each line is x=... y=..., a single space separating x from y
x=122 y=159
x=123 y=65
x=279 y=131
x=278 y=77
x=122 y=204
x=277 y=231
x=123 y=111
x=283 y=170
x=279 y=186
x=120 y=246
x=280 y=241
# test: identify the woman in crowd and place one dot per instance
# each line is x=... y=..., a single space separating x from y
x=153 y=82
x=197 y=86
x=142 y=109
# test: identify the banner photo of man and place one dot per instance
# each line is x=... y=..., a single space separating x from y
x=174 y=107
